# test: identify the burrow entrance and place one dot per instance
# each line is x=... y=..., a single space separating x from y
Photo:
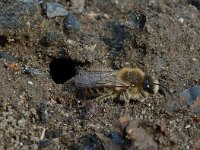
x=62 y=69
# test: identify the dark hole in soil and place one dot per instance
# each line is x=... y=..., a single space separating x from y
x=62 y=69
x=3 y=40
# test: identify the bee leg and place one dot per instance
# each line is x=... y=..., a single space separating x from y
x=123 y=97
x=143 y=97
x=126 y=99
x=115 y=94
x=98 y=92
x=105 y=96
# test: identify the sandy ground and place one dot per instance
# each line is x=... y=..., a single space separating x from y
x=39 y=55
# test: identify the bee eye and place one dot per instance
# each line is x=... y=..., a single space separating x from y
x=147 y=85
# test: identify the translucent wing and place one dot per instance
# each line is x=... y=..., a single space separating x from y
x=97 y=79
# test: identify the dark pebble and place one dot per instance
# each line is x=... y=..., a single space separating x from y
x=42 y=112
x=71 y=22
x=115 y=137
x=32 y=71
x=53 y=134
x=50 y=38
x=7 y=56
x=191 y=95
x=44 y=143
x=136 y=20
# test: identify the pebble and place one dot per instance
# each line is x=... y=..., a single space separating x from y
x=181 y=20
x=49 y=38
x=30 y=82
x=187 y=126
x=7 y=56
x=71 y=22
x=26 y=1
x=21 y=122
x=116 y=137
x=53 y=134
x=106 y=16
x=194 y=59
x=149 y=105
x=42 y=112
x=32 y=71
x=54 y=9
x=44 y=143
x=191 y=95
x=136 y=20
x=187 y=147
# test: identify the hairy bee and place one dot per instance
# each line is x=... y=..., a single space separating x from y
x=126 y=84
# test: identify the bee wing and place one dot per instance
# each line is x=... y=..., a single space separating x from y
x=97 y=79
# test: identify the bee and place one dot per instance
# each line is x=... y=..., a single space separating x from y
x=126 y=84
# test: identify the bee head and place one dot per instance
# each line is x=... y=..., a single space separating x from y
x=150 y=85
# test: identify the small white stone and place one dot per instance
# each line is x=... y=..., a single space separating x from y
x=21 y=144
x=30 y=82
x=106 y=16
x=21 y=122
x=187 y=126
x=194 y=59
x=181 y=20
x=71 y=42
x=149 y=104
x=163 y=68
x=187 y=147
